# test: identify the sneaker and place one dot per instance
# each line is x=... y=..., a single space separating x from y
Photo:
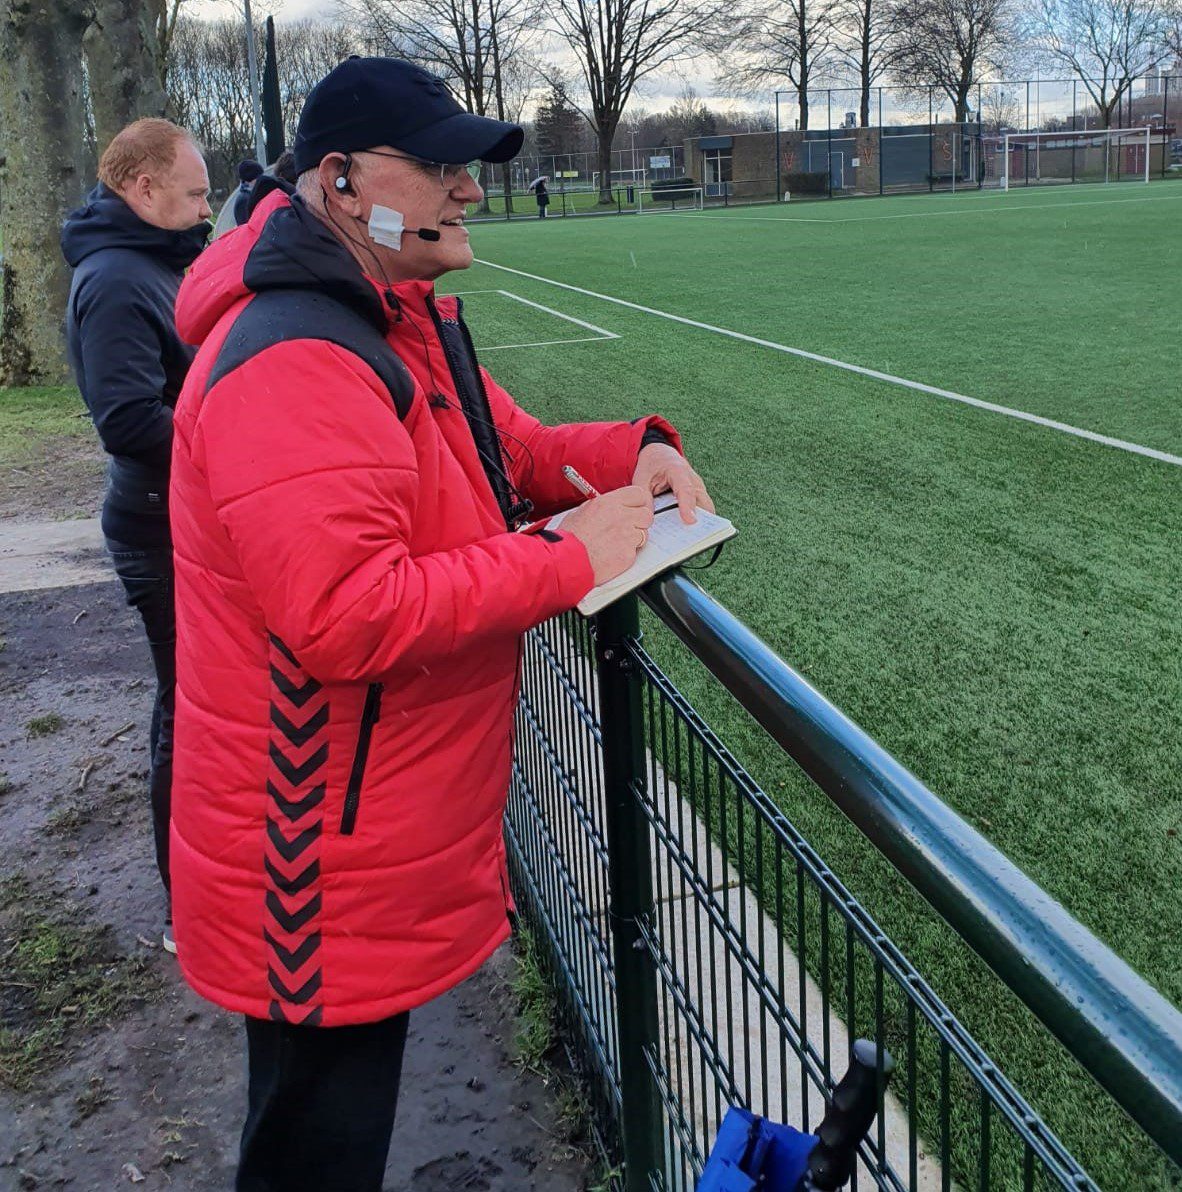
x=167 y=939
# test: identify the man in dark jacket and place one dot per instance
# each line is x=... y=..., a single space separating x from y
x=141 y=227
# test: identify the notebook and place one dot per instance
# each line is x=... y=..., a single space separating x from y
x=670 y=542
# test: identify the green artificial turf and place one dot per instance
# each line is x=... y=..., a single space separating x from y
x=996 y=602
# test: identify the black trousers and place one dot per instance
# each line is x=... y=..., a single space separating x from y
x=147 y=578
x=321 y=1105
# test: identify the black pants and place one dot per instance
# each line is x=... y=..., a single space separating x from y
x=321 y=1105
x=147 y=579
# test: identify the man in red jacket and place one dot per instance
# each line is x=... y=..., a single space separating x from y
x=350 y=602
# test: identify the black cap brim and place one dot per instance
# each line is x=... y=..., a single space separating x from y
x=465 y=137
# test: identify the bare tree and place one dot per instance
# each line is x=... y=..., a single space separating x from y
x=690 y=117
x=307 y=50
x=790 y=40
x=1105 y=43
x=617 y=43
x=863 y=41
x=209 y=92
x=123 y=63
x=1000 y=109
x=167 y=15
x=1174 y=34
x=951 y=44
x=43 y=174
x=475 y=45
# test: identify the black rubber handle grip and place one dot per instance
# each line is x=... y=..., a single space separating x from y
x=848 y=1117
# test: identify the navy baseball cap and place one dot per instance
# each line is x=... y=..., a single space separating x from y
x=384 y=101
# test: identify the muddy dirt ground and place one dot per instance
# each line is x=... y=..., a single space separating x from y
x=112 y=1073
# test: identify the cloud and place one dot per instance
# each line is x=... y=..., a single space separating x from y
x=283 y=10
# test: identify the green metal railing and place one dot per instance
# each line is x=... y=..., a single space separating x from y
x=703 y=954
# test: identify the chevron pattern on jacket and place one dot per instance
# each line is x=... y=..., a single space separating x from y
x=298 y=751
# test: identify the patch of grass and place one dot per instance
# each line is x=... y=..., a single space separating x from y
x=44 y=726
x=536 y=1035
x=539 y=1051
x=60 y=977
x=580 y=201
x=29 y=415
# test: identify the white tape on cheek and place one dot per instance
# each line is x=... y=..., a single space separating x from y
x=385 y=227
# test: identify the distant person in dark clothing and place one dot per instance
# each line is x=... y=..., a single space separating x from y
x=141 y=228
x=248 y=172
x=543 y=197
x=283 y=167
x=236 y=209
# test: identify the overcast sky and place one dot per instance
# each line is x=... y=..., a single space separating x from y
x=655 y=94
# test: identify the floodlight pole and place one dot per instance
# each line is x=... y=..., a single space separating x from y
x=260 y=151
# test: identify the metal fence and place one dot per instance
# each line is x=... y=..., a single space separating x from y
x=897 y=140
x=703 y=954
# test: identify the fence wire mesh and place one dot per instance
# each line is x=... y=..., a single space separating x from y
x=761 y=967
x=889 y=140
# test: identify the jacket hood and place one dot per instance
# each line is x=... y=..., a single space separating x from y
x=106 y=221
x=282 y=246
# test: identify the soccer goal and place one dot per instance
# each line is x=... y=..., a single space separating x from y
x=619 y=178
x=1083 y=155
x=670 y=198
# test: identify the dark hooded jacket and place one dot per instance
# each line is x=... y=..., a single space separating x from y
x=127 y=357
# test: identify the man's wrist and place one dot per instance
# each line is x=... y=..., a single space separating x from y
x=654 y=436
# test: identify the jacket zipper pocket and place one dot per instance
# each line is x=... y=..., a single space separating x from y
x=369 y=717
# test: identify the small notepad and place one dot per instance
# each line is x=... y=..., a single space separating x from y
x=670 y=542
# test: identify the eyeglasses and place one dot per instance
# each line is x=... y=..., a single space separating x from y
x=450 y=173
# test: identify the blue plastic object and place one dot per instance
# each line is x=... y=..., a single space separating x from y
x=754 y=1153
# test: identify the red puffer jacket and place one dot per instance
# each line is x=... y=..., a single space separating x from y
x=349 y=612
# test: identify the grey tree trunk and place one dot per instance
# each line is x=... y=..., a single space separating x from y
x=44 y=173
x=123 y=63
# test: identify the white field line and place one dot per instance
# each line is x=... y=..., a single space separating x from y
x=967 y=210
x=549 y=343
x=992 y=407
x=600 y=333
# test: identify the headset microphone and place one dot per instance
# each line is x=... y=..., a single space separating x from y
x=422 y=233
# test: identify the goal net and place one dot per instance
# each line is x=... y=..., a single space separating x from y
x=619 y=178
x=670 y=198
x=1019 y=159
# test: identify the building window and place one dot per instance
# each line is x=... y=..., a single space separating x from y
x=717 y=170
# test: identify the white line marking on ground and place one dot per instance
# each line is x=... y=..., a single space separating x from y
x=1037 y=419
x=547 y=343
x=599 y=331
x=1057 y=207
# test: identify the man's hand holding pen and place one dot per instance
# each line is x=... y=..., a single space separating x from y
x=613 y=527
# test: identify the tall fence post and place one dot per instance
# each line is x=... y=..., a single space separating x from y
x=1165 y=124
x=829 y=138
x=779 y=186
x=880 y=144
x=630 y=890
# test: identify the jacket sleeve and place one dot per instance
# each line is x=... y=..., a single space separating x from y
x=604 y=453
x=315 y=481
x=122 y=362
